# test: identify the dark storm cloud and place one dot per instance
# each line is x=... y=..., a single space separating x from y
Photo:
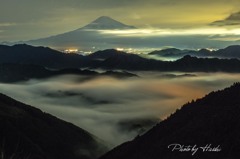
x=231 y=20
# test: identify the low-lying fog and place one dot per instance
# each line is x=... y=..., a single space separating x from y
x=111 y=108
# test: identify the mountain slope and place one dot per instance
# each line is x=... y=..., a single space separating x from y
x=105 y=54
x=230 y=52
x=194 y=64
x=213 y=120
x=26 y=54
x=27 y=132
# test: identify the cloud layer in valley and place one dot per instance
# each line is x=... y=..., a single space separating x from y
x=106 y=107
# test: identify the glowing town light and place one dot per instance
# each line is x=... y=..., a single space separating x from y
x=71 y=50
x=120 y=49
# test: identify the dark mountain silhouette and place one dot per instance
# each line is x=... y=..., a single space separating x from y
x=117 y=74
x=228 y=52
x=112 y=59
x=169 y=52
x=185 y=64
x=27 y=132
x=177 y=53
x=194 y=64
x=213 y=120
x=120 y=60
x=20 y=72
x=104 y=54
x=26 y=54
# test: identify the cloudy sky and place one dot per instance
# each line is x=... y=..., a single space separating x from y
x=31 y=19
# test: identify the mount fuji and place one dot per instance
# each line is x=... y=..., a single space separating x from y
x=88 y=37
x=107 y=23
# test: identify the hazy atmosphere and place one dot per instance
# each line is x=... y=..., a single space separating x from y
x=159 y=23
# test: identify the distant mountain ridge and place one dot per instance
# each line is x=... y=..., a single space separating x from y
x=113 y=60
x=211 y=121
x=228 y=52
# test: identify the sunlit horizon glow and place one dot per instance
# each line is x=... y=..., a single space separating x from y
x=171 y=32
